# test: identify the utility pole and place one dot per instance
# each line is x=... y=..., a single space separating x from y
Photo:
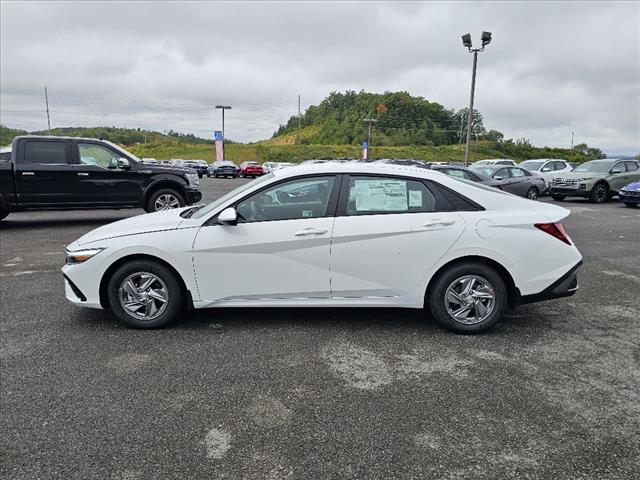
x=46 y=100
x=299 y=115
x=370 y=120
x=572 y=140
x=223 y=108
x=466 y=41
x=461 y=127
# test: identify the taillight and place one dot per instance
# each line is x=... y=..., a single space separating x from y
x=555 y=230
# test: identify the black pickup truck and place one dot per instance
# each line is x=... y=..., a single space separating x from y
x=66 y=173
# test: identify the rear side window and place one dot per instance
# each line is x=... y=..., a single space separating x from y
x=632 y=166
x=46 y=152
x=372 y=195
x=5 y=156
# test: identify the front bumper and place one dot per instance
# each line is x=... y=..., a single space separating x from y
x=565 y=286
x=193 y=196
x=629 y=197
x=569 y=192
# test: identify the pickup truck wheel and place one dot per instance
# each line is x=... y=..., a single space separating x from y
x=599 y=194
x=165 y=199
x=468 y=298
x=557 y=197
x=145 y=294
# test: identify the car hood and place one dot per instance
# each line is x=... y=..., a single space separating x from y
x=151 y=222
x=575 y=175
x=632 y=187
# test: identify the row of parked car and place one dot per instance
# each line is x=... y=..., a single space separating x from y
x=597 y=180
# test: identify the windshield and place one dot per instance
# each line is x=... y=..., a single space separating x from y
x=532 y=165
x=123 y=151
x=482 y=162
x=216 y=203
x=595 y=166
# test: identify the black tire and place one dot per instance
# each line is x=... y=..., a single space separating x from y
x=599 y=193
x=557 y=197
x=451 y=276
x=175 y=304
x=628 y=204
x=4 y=213
x=153 y=204
x=532 y=193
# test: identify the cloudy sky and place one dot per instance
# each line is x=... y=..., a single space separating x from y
x=552 y=68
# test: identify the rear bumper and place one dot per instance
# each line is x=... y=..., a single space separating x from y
x=565 y=286
x=193 y=196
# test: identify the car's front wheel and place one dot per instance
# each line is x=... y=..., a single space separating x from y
x=631 y=204
x=145 y=294
x=557 y=197
x=599 y=194
x=468 y=297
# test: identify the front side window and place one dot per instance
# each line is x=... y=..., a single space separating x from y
x=46 y=152
x=502 y=173
x=296 y=199
x=459 y=174
x=97 y=155
x=371 y=195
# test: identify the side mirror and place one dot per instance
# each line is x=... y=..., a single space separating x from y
x=498 y=178
x=546 y=169
x=123 y=164
x=228 y=217
x=615 y=171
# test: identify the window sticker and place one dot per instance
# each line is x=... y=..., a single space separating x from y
x=381 y=195
x=415 y=198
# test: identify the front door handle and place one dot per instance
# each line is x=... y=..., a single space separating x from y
x=438 y=223
x=83 y=174
x=28 y=173
x=311 y=231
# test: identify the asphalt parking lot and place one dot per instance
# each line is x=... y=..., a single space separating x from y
x=553 y=391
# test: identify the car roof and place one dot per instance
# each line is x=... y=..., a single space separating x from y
x=358 y=168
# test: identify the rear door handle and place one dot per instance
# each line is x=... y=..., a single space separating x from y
x=438 y=223
x=311 y=231
x=83 y=174
x=28 y=173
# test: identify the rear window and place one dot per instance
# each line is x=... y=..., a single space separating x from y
x=46 y=152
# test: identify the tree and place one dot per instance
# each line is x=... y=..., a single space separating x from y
x=588 y=151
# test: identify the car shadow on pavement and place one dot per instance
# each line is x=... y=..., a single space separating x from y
x=20 y=224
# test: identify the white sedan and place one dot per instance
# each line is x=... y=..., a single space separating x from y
x=332 y=235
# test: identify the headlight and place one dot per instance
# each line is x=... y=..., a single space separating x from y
x=80 y=256
x=193 y=179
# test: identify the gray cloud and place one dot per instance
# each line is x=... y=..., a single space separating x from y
x=552 y=68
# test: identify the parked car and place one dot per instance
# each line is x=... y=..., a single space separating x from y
x=547 y=168
x=269 y=166
x=66 y=173
x=630 y=194
x=468 y=174
x=493 y=161
x=286 y=164
x=224 y=168
x=516 y=180
x=200 y=169
x=348 y=235
x=250 y=169
x=597 y=180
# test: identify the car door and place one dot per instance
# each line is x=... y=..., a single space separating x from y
x=278 y=250
x=520 y=181
x=618 y=176
x=388 y=234
x=101 y=181
x=44 y=173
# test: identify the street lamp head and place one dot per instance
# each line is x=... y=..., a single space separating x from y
x=466 y=40
x=224 y=107
x=486 y=38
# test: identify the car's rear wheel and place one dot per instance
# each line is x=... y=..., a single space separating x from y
x=599 y=193
x=468 y=298
x=557 y=197
x=628 y=204
x=145 y=294
x=165 y=199
x=532 y=193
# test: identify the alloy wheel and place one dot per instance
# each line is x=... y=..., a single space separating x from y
x=470 y=299
x=532 y=194
x=600 y=193
x=166 y=201
x=143 y=296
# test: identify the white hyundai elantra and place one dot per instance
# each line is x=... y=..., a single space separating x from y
x=332 y=235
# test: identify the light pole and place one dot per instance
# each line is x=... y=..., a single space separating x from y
x=223 y=108
x=466 y=41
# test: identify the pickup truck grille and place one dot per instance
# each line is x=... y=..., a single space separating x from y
x=564 y=182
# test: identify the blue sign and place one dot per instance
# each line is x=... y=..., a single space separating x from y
x=217 y=135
